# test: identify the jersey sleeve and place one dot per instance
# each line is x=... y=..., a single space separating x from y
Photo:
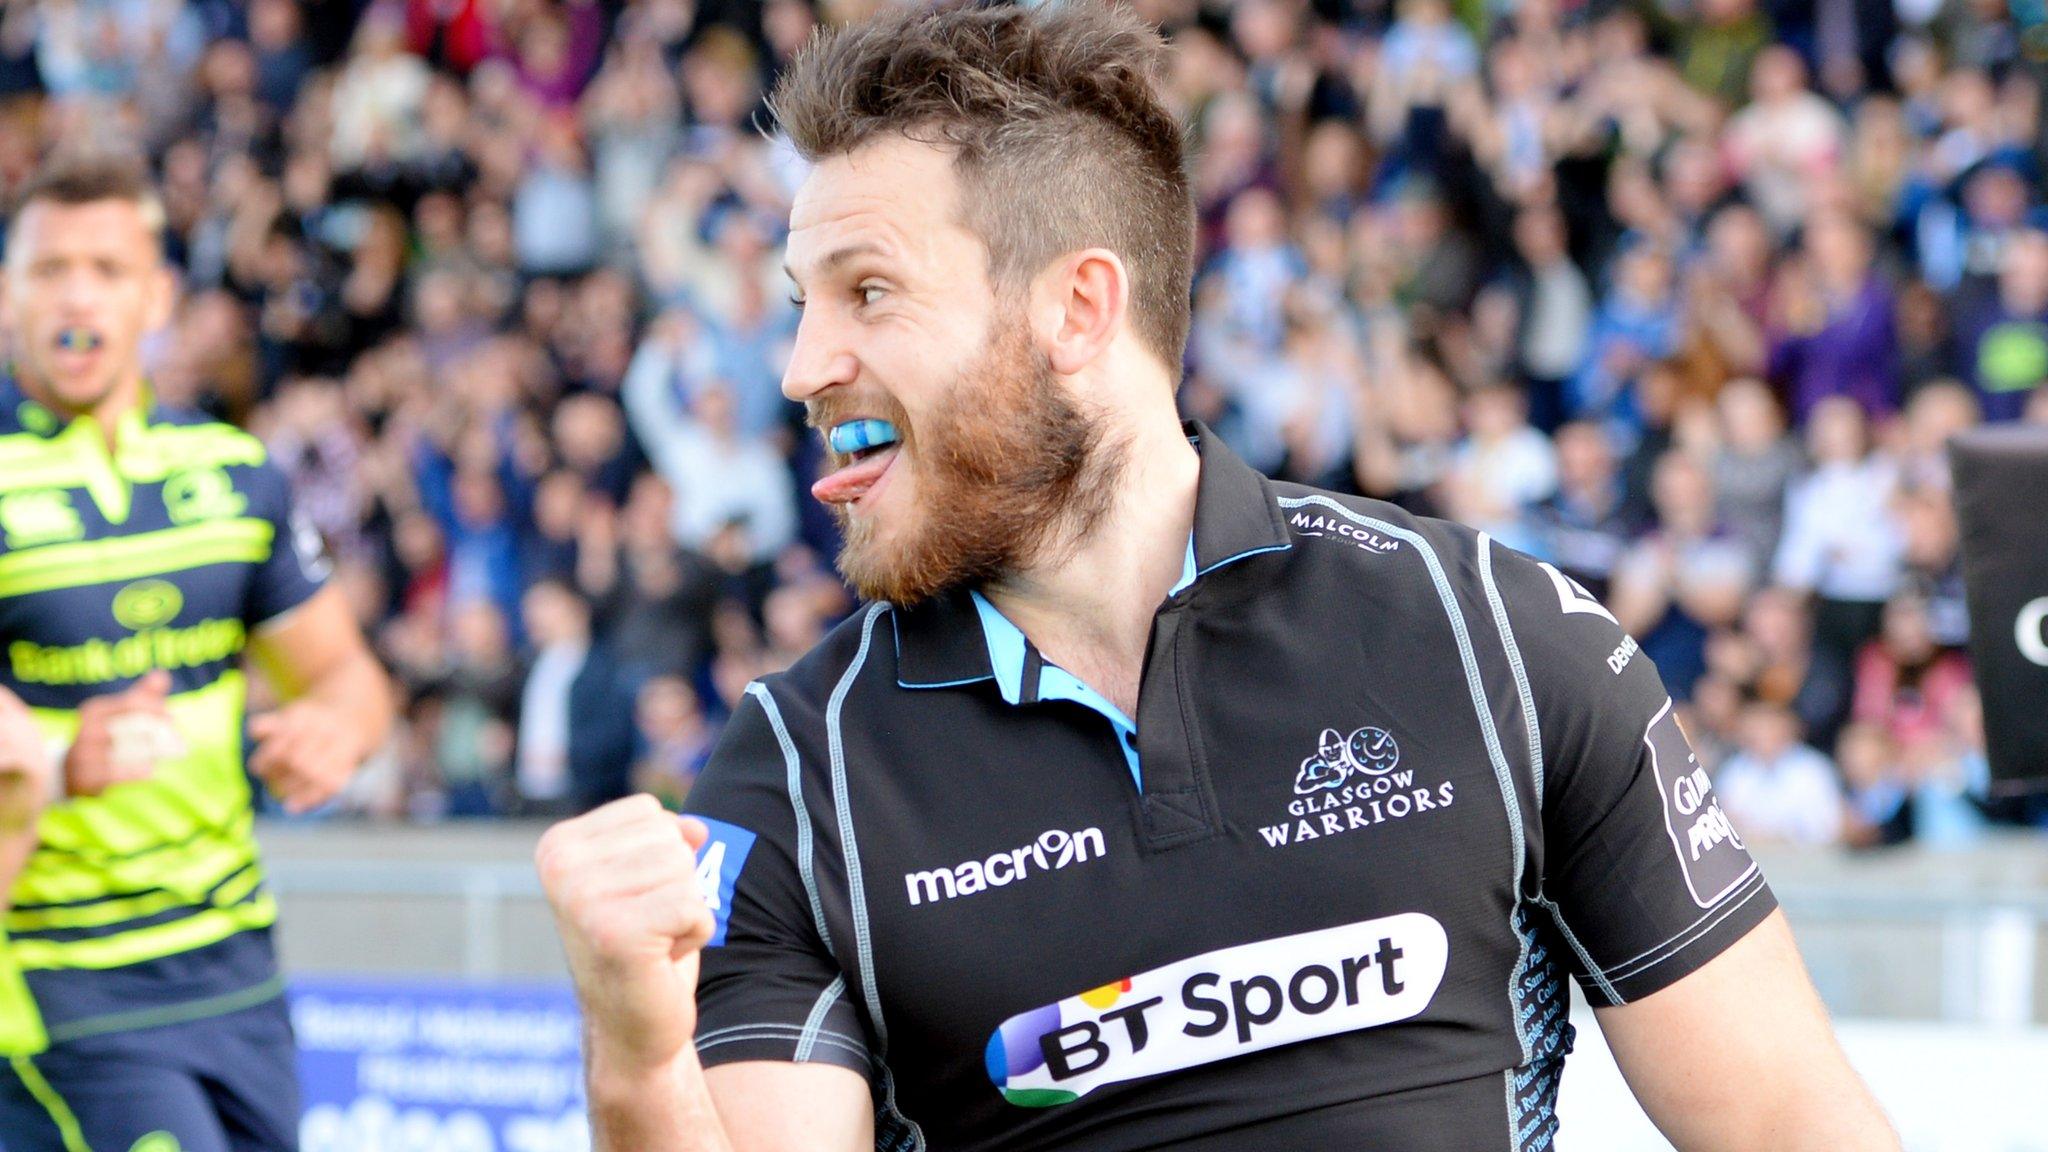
x=769 y=988
x=296 y=567
x=1641 y=871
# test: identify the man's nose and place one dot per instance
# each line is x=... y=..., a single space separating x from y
x=73 y=292
x=820 y=359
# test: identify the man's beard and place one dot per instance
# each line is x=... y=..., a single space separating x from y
x=1010 y=472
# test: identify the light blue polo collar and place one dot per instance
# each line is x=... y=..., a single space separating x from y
x=1024 y=677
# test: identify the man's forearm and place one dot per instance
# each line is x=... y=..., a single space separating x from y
x=651 y=1110
x=357 y=689
x=1837 y=1114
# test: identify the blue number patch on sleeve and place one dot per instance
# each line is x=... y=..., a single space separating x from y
x=718 y=870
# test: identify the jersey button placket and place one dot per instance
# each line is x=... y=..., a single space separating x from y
x=1175 y=805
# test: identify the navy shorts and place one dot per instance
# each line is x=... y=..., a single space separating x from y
x=223 y=1084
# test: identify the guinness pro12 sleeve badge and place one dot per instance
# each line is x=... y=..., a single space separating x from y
x=1710 y=852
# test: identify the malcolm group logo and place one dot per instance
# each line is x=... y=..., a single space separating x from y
x=1336 y=527
x=1353 y=782
x=1218 y=1005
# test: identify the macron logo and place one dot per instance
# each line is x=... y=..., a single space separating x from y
x=1050 y=852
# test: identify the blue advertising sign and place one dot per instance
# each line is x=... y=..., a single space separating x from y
x=439 y=1066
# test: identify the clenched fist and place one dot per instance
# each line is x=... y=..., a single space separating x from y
x=122 y=737
x=622 y=881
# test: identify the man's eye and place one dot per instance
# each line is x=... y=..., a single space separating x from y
x=796 y=302
x=869 y=293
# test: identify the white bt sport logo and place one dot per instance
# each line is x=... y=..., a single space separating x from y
x=1353 y=782
x=1051 y=851
x=1220 y=1005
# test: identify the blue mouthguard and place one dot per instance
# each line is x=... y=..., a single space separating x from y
x=72 y=339
x=855 y=435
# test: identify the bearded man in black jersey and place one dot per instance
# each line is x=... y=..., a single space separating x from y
x=1148 y=803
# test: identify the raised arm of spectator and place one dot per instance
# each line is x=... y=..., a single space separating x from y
x=520 y=448
x=653 y=409
x=434 y=479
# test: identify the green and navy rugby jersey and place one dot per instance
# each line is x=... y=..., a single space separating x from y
x=144 y=905
x=1388 y=786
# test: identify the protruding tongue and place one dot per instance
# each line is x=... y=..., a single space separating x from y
x=853 y=481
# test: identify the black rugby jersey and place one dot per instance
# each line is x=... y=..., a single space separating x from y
x=1389 y=782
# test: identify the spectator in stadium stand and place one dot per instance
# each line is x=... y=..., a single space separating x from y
x=452 y=34
x=1777 y=789
x=1926 y=338
x=1787 y=669
x=1937 y=413
x=477 y=692
x=1962 y=231
x=575 y=738
x=633 y=110
x=1836 y=324
x=377 y=97
x=588 y=434
x=1580 y=527
x=720 y=475
x=1754 y=462
x=1926 y=516
x=1905 y=682
x=474 y=501
x=553 y=51
x=1407 y=435
x=2002 y=329
x=1638 y=323
x=653 y=598
x=551 y=546
x=1841 y=542
x=1784 y=140
x=1879 y=812
x=993 y=250
x=1502 y=467
x=554 y=211
x=675 y=739
x=1684 y=578
x=1553 y=312
x=1731 y=275
x=1717 y=48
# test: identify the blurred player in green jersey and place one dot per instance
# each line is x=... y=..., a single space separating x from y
x=143 y=552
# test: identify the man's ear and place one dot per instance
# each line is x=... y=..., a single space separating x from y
x=1081 y=304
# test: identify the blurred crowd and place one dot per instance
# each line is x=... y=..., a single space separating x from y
x=1682 y=296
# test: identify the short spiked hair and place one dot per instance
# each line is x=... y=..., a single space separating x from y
x=1059 y=135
